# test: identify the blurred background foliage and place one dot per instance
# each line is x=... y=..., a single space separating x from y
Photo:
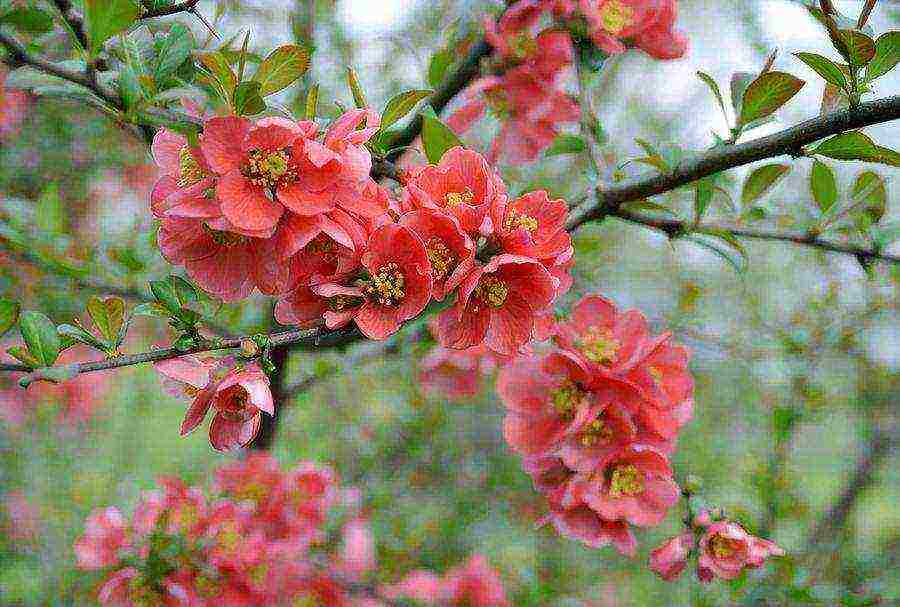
x=796 y=360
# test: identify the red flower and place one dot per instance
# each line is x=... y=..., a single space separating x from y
x=399 y=283
x=533 y=226
x=104 y=536
x=649 y=23
x=726 y=549
x=450 y=251
x=496 y=305
x=462 y=184
x=182 y=189
x=670 y=559
x=634 y=485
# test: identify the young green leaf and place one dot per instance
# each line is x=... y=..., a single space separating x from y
x=130 y=88
x=739 y=83
x=870 y=193
x=438 y=66
x=108 y=316
x=823 y=184
x=761 y=181
x=40 y=336
x=704 y=189
x=281 y=68
x=81 y=335
x=887 y=156
x=312 y=102
x=359 y=96
x=23 y=356
x=9 y=314
x=217 y=65
x=106 y=18
x=768 y=93
x=28 y=19
x=852 y=145
x=825 y=67
x=173 y=51
x=734 y=254
x=887 y=55
x=247 y=99
x=714 y=87
x=437 y=137
x=566 y=144
x=401 y=105
x=861 y=48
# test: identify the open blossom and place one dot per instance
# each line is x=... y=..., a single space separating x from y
x=647 y=24
x=534 y=226
x=450 y=251
x=473 y=584
x=670 y=559
x=516 y=37
x=726 y=549
x=497 y=304
x=238 y=397
x=186 y=183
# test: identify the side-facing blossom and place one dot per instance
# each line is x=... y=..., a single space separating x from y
x=472 y=584
x=726 y=549
x=497 y=304
x=450 y=251
x=647 y=24
x=670 y=559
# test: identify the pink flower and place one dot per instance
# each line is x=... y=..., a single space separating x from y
x=726 y=549
x=497 y=304
x=634 y=485
x=399 y=283
x=104 y=536
x=473 y=584
x=454 y=374
x=358 y=549
x=462 y=185
x=665 y=378
x=670 y=559
x=648 y=23
x=450 y=251
x=533 y=226
x=517 y=40
x=182 y=189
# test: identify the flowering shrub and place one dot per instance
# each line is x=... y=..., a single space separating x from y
x=261 y=536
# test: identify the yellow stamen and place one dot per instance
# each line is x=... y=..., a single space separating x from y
x=625 y=481
x=492 y=291
x=387 y=285
x=454 y=198
x=520 y=220
x=188 y=168
x=616 y=16
x=723 y=547
x=269 y=169
x=225 y=239
x=596 y=432
x=523 y=46
x=567 y=399
x=442 y=259
x=599 y=346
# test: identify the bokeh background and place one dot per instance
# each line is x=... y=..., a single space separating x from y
x=796 y=360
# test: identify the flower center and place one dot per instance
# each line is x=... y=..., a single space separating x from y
x=723 y=547
x=254 y=492
x=596 y=432
x=520 y=220
x=567 y=398
x=492 y=291
x=523 y=46
x=616 y=16
x=268 y=169
x=307 y=600
x=386 y=286
x=321 y=245
x=599 y=346
x=188 y=168
x=224 y=239
x=498 y=104
x=454 y=198
x=441 y=257
x=625 y=481
x=339 y=303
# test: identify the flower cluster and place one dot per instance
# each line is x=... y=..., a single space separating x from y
x=237 y=393
x=723 y=548
x=596 y=419
x=526 y=92
x=260 y=537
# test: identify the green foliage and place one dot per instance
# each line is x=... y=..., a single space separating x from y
x=825 y=67
x=9 y=315
x=40 y=337
x=437 y=137
x=823 y=184
x=566 y=144
x=172 y=52
x=767 y=94
x=887 y=54
x=438 y=66
x=761 y=181
x=28 y=19
x=247 y=99
x=106 y=18
x=400 y=105
x=281 y=68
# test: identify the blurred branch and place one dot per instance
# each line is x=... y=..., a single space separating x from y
x=189 y=6
x=676 y=227
x=879 y=446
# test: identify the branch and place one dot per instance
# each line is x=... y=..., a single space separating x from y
x=877 y=449
x=189 y=6
x=675 y=227
x=787 y=142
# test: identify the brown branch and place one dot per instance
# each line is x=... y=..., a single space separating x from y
x=787 y=142
x=182 y=7
x=676 y=227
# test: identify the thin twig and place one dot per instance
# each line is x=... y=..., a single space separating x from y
x=182 y=7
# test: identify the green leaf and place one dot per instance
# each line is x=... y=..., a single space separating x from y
x=861 y=48
x=438 y=66
x=870 y=190
x=437 y=137
x=359 y=96
x=885 y=234
x=761 y=181
x=714 y=87
x=9 y=314
x=703 y=195
x=888 y=156
x=768 y=93
x=24 y=356
x=50 y=215
x=130 y=88
x=57 y=375
x=247 y=99
x=824 y=67
x=852 y=145
x=217 y=65
x=150 y=309
x=887 y=55
x=174 y=50
x=184 y=291
x=28 y=19
x=108 y=316
x=566 y=144
x=401 y=105
x=739 y=83
x=823 y=184
x=81 y=335
x=40 y=336
x=106 y=18
x=312 y=102
x=164 y=292
x=647 y=205
x=281 y=68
